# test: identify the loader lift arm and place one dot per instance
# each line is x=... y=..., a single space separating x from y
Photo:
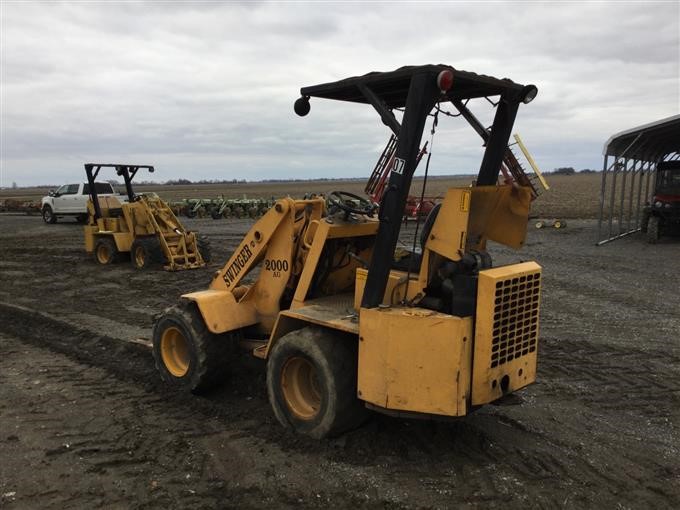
x=418 y=89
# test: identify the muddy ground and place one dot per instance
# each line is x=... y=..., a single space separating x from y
x=86 y=423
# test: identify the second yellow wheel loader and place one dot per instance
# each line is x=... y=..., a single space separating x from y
x=344 y=327
x=143 y=226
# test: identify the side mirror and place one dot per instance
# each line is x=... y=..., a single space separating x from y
x=52 y=193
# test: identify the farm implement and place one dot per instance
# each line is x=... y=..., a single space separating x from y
x=511 y=172
x=221 y=207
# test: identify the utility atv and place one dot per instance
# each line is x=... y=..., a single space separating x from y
x=662 y=213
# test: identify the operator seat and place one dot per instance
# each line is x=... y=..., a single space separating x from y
x=411 y=261
x=110 y=207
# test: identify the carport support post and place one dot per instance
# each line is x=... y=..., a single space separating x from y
x=603 y=187
x=623 y=194
x=630 y=193
x=612 y=198
x=422 y=96
x=643 y=171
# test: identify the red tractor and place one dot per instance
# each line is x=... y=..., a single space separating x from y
x=662 y=213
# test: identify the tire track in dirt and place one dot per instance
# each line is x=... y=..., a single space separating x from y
x=495 y=455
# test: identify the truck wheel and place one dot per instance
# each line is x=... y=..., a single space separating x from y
x=216 y=214
x=653 y=228
x=186 y=354
x=105 y=251
x=48 y=215
x=312 y=382
x=146 y=252
x=204 y=248
x=190 y=213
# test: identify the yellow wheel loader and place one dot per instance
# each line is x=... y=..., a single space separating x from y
x=142 y=225
x=343 y=326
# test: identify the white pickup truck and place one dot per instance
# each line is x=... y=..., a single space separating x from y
x=71 y=200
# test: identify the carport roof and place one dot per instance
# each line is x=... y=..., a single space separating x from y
x=649 y=142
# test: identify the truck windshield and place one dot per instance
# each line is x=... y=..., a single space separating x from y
x=669 y=182
x=101 y=187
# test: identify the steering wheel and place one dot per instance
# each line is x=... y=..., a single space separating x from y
x=350 y=203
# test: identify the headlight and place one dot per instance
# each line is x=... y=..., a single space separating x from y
x=668 y=206
x=658 y=203
x=529 y=93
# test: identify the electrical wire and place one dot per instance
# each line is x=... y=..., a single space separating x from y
x=435 y=120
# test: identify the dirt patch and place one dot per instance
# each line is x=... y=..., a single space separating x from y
x=86 y=422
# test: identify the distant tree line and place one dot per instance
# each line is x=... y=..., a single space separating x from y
x=568 y=170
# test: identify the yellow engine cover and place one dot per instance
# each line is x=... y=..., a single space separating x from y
x=413 y=359
x=506 y=330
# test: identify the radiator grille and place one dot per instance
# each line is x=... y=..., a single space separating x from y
x=515 y=321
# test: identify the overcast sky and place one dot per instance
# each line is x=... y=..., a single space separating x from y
x=206 y=90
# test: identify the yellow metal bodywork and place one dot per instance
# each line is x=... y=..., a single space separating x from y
x=506 y=330
x=500 y=214
x=413 y=359
x=146 y=216
x=287 y=243
x=396 y=290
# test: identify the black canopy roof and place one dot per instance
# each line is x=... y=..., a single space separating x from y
x=649 y=142
x=392 y=87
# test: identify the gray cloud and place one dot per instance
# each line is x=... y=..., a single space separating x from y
x=206 y=89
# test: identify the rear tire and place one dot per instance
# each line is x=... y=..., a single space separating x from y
x=48 y=215
x=146 y=252
x=105 y=251
x=204 y=248
x=653 y=230
x=312 y=382
x=187 y=355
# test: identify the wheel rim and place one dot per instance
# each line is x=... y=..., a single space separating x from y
x=140 y=256
x=175 y=351
x=103 y=254
x=47 y=214
x=300 y=387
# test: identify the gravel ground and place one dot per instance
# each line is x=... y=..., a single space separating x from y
x=85 y=421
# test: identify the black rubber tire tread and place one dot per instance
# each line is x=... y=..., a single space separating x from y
x=204 y=247
x=190 y=213
x=653 y=230
x=111 y=244
x=52 y=218
x=216 y=214
x=152 y=250
x=335 y=357
x=209 y=353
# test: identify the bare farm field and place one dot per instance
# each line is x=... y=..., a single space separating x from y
x=85 y=421
x=570 y=196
